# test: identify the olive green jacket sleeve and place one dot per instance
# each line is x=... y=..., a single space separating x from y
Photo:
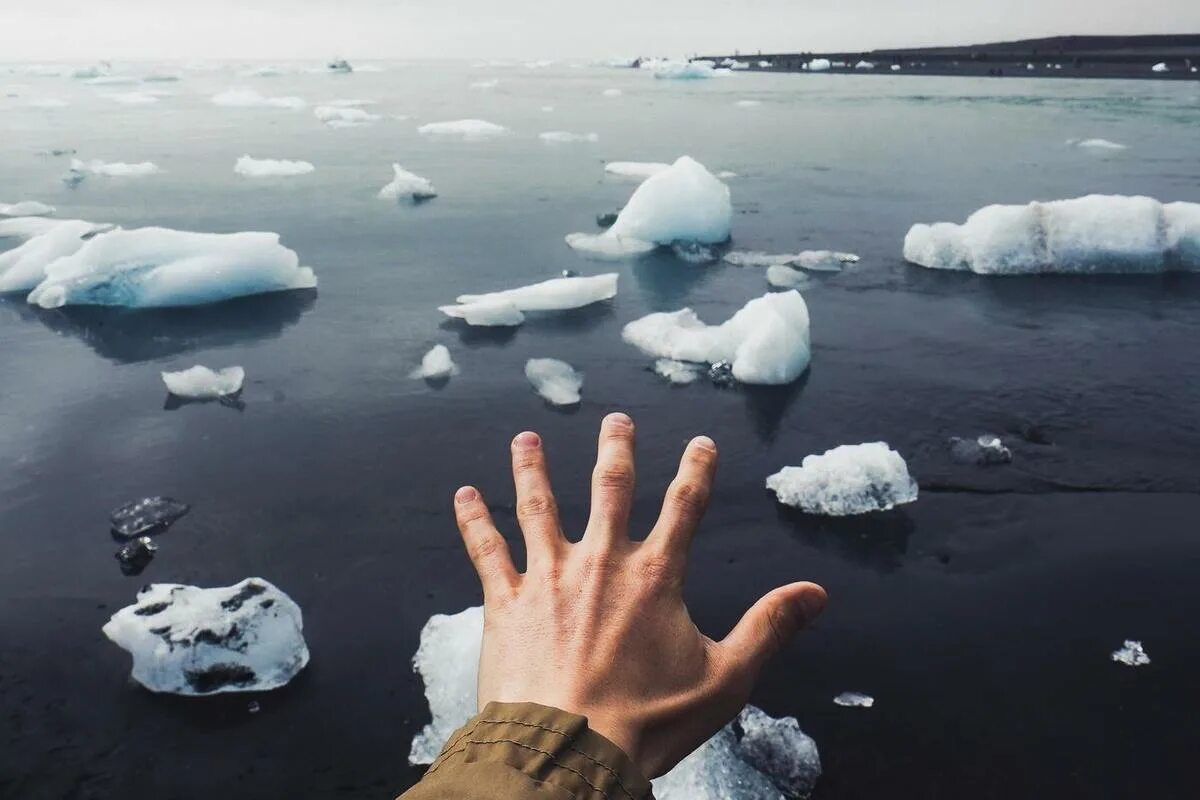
x=525 y=751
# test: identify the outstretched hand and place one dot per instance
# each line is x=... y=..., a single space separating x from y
x=599 y=627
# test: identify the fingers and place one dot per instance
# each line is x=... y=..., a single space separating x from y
x=771 y=623
x=686 y=499
x=537 y=513
x=485 y=546
x=612 y=481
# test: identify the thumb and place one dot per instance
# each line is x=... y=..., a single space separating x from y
x=771 y=623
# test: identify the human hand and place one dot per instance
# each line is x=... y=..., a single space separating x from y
x=599 y=627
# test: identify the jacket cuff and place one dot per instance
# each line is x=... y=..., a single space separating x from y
x=549 y=745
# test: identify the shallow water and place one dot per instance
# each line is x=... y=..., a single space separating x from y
x=981 y=618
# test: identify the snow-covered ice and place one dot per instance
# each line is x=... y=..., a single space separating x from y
x=819 y=65
x=407 y=185
x=249 y=98
x=635 y=169
x=766 y=342
x=148 y=267
x=24 y=267
x=270 y=167
x=1093 y=234
x=983 y=450
x=436 y=364
x=679 y=372
x=25 y=208
x=201 y=383
x=556 y=381
x=468 y=129
x=755 y=757
x=1131 y=654
x=556 y=294
x=186 y=640
x=854 y=700
x=1095 y=144
x=115 y=169
x=566 y=137
x=683 y=203
x=344 y=116
x=850 y=479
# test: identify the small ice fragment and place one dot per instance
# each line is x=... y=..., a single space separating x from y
x=784 y=277
x=191 y=641
x=407 y=185
x=556 y=294
x=679 y=372
x=136 y=554
x=253 y=707
x=748 y=103
x=612 y=93
x=824 y=260
x=1095 y=144
x=1160 y=67
x=114 y=169
x=133 y=98
x=693 y=252
x=202 y=383
x=983 y=450
x=635 y=169
x=436 y=365
x=25 y=208
x=270 y=167
x=344 y=116
x=780 y=750
x=721 y=374
x=556 y=381
x=248 y=98
x=865 y=65
x=1131 y=654
x=566 y=137
x=466 y=129
x=895 y=67
x=819 y=65
x=854 y=700
x=138 y=517
x=850 y=479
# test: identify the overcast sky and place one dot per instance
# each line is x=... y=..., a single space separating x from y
x=397 y=29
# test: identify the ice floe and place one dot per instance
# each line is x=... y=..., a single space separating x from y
x=556 y=294
x=556 y=381
x=854 y=700
x=24 y=267
x=635 y=169
x=344 y=116
x=201 y=383
x=28 y=227
x=467 y=129
x=408 y=185
x=566 y=137
x=755 y=757
x=270 y=167
x=186 y=640
x=682 y=70
x=114 y=169
x=1131 y=654
x=683 y=203
x=249 y=98
x=436 y=364
x=782 y=276
x=1095 y=144
x=678 y=372
x=814 y=260
x=865 y=65
x=850 y=479
x=26 y=208
x=1093 y=234
x=983 y=450
x=150 y=267
x=146 y=515
x=766 y=342
x=819 y=65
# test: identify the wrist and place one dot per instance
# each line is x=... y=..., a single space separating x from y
x=627 y=738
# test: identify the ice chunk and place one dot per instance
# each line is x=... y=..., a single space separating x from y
x=683 y=203
x=854 y=700
x=983 y=450
x=1093 y=234
x=865 y=65
x=556 y=294
x=748 y=103
x=270 y=167
x=1131 y=654
x=1160 y=67
x=407 y=185
x=556 y=381
x=133 y=98
x=679 y=372
x=780 y=750
x=186 y=640
x=819 y=65
x=114 y=169
x=612 y=93
x=148 y=267
x=815 y=260
x=249 y=98
x=635 y=169
x=850 y=479
x=202 y=383
x=344 y=116
x=467 y=129
x=136 y=555
x=682 y=70
x=436 y=364
x=24 y=267
x=895 y=67
x=27 y=227
x=784 y=277
x=149 y=514
x=1095 y=144
x=498 y=314
x=566 y=137
x=447 y=660
x=25 y=208
x=766 y=342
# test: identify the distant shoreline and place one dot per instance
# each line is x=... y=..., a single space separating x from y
x=1126 y=57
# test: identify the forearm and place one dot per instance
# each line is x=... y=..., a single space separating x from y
x=525 y=751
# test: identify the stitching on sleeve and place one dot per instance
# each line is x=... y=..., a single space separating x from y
x=437 y=762
x=553 y=760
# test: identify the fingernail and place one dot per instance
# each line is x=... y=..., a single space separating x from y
x=618 y=418
x=705 y=442
x=811 y=605
x=465 y=495
x=527 y=440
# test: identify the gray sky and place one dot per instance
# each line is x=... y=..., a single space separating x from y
x=278 y=29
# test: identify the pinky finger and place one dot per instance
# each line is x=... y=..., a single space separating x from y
x=485 y=546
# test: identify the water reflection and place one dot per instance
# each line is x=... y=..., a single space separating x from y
x=129 y=335
x=666 y=281
x=878 y=540
x=766 y=406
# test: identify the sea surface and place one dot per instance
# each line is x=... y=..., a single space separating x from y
x=981 y=617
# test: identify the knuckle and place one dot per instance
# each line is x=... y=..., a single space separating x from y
x=656 y=568
x=614 y=477
x=535 y=506
x=484 y=548
x=596 y=563
x=689 y=497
